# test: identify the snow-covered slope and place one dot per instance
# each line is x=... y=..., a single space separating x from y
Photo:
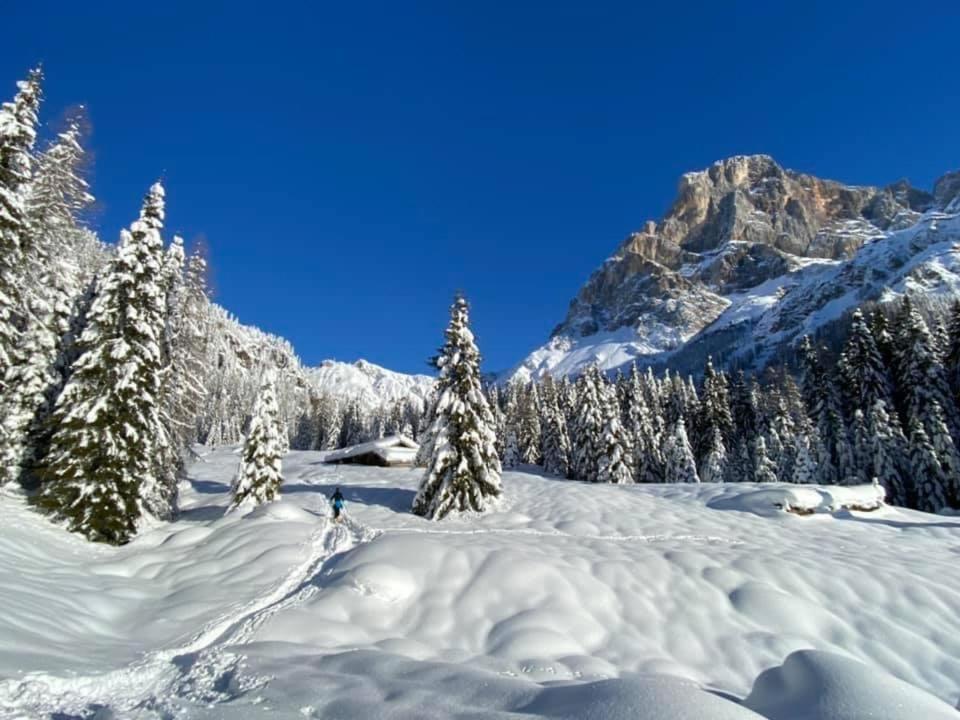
x=749 y=258
x=570 y=601
x=372 y=384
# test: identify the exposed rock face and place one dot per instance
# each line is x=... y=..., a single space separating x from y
x=946 y=191
x=745 y=225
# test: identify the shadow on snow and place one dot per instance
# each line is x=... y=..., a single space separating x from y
x=396 y=499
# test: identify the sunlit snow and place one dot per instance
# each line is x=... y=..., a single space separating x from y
x=568 y=601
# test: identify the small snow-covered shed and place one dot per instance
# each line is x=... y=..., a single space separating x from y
x=393 y=451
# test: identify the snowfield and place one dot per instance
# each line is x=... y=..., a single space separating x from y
x=569 y=601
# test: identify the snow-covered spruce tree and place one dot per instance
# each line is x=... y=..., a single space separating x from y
x=946 y=451
x=183 y=390
x=588 y=425
x=353 y=422
x=679 y=464
x=834 y=455
x=691 y=399
x=463 y=473
x=804 y=466
x=887 y=449
x=941 y=338
x=673 y=400
x=764 y=469
x=781 y=436
x=170 y=459
x=307 y=434
x=511 y=455
x=920 y=375
x=40 y=429
x=55 y=196
x=790 y=422
x=926 y=491
x=511 y=448
x=259 y=476
x=425 y=452
x=18 y=120
x=567 y=402
x=655 y=403
x=843 y=451
x=102 y=471
x=862 y=447
x=329 y=423
x=32 y=386
x=952 y=359
x=925 y=398
x=743 y=409
x=528 y=430
x=615 y=462
x=624 y=393
x=715 y=425
x=714 y=461
x=499 y=419
x=395 y=417
x=377 y=423
x=556 y=441
x=414 y=418
x=861 y=368
x=882 y=337
x=647 y=457
x=866 y=382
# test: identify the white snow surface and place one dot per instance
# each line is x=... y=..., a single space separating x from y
x=371 y=384
x=569 y=601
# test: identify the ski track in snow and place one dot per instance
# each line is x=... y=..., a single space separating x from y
x=198 y=670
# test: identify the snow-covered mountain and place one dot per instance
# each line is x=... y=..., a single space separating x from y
x=372 y=384
x=748 y=259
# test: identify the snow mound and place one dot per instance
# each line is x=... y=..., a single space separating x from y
x=813 y=685
x=769 y=501
x=284 y=511
x=635 y=698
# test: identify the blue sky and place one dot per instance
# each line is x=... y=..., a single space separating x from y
x=350 y=165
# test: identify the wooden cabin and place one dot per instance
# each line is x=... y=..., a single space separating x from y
x=393 y=451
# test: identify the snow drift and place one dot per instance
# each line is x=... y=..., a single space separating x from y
x=570 y=601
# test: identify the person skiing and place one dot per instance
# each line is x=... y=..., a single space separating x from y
x=336 y=500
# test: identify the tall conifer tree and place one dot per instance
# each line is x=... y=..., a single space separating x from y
x=18 y=120
x=260 y=474
x=463 y=473
x=102 y=465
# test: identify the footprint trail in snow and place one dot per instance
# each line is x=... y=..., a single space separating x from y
x=203 y=669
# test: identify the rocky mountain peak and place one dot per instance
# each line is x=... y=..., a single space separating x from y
x=743 y=226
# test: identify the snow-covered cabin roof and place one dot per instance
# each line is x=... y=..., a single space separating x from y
x=393 y=450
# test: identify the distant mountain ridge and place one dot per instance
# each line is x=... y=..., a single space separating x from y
x=371 y=384
x=750 y=257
